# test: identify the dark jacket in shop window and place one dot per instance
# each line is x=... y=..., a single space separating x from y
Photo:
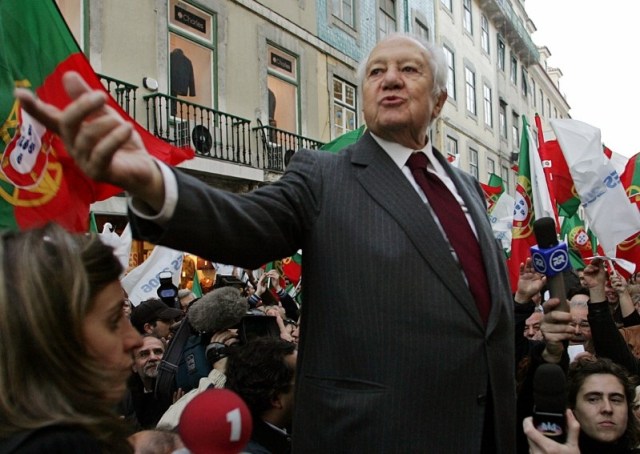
x=182 y=78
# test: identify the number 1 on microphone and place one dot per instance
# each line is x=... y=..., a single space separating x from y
x=235 y=420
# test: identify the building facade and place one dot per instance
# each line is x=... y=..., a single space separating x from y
x=247 y=82
x=496 y=75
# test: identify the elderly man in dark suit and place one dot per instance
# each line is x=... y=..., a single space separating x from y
x=407 y=327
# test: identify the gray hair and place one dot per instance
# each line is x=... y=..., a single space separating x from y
x=435 y=58
x=580 y=302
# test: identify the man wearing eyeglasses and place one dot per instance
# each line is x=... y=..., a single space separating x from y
x=140 y=406
x=581 y=330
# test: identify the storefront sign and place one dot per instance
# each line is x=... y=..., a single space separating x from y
x=281 y=62
x=190 y=19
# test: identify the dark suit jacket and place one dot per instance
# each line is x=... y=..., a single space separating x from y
x=393 y=355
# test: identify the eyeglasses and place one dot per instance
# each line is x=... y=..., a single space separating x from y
x=144 y=354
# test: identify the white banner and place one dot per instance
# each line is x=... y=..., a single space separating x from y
x=143 y=281
x=606 y=205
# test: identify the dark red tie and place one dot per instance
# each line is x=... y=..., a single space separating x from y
x=458 y=231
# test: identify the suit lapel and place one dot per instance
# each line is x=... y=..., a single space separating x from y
x=386 y=184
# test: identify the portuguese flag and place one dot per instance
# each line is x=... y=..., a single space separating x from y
x=39 y=181
x=492 y=191
x=581 y=243
x=523 y=213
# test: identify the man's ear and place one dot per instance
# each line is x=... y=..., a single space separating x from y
x=148 y=327
x=440 y=100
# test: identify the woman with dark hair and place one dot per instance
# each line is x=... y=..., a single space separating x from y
x=65 y=344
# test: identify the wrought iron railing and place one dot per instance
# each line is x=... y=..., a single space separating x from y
x=276 y=146
x=123 y=92
x=211 y=133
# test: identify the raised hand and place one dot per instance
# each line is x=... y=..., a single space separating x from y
x=556 y=329
x=529 y=282
x=104 y=146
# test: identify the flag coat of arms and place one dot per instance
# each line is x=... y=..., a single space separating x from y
x=39 y=182
x=524 y=213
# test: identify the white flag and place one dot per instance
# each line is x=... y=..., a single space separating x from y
x=121 y=244
x=143 y=281
x=501 y=218
x=542 y=204
x=606 y=205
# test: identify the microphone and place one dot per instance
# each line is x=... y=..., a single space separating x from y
x=216 y=421
x=219 y=309
x=550 y=402
x=551 y=258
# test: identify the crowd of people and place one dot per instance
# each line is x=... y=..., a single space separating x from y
x=408 y=339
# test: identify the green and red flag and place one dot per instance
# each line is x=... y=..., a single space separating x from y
x=39 y=181
x=289 y=269
x=581 y=243
x=492 y=190
x=523 y=214
x=629 y=249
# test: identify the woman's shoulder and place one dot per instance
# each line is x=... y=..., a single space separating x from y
x=52 y=440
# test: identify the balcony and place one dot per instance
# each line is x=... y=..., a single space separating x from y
x=211 y=133
x=503 y=15
x=276 y=146
x=124 y=93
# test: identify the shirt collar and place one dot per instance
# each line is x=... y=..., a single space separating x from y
x=399 y=153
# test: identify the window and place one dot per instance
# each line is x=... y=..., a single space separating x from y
x=452 y=146
x=473 y=162
x=524 y=78
x=515 y=131
x=282 y=83
x=513 y=76
x=541 y=102
x=422 y=30
x=491 y=167
x=470 y=83
x=548 y=107
x=344 y=107
x=533 y=92
x=467 y=18
x=504 y=174
x=488 y=106
x=503 y=120
x=386 y=17
x=192 y=69
x=502 y=51
x=451 y=72
x=484 y=38
x=343 y=10
x=447 y=4
x=73 y=13
x=555 y=113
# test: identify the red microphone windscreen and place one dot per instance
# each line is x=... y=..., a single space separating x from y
x=216 y=421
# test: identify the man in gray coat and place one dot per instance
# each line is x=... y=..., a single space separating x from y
x=397 y=353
